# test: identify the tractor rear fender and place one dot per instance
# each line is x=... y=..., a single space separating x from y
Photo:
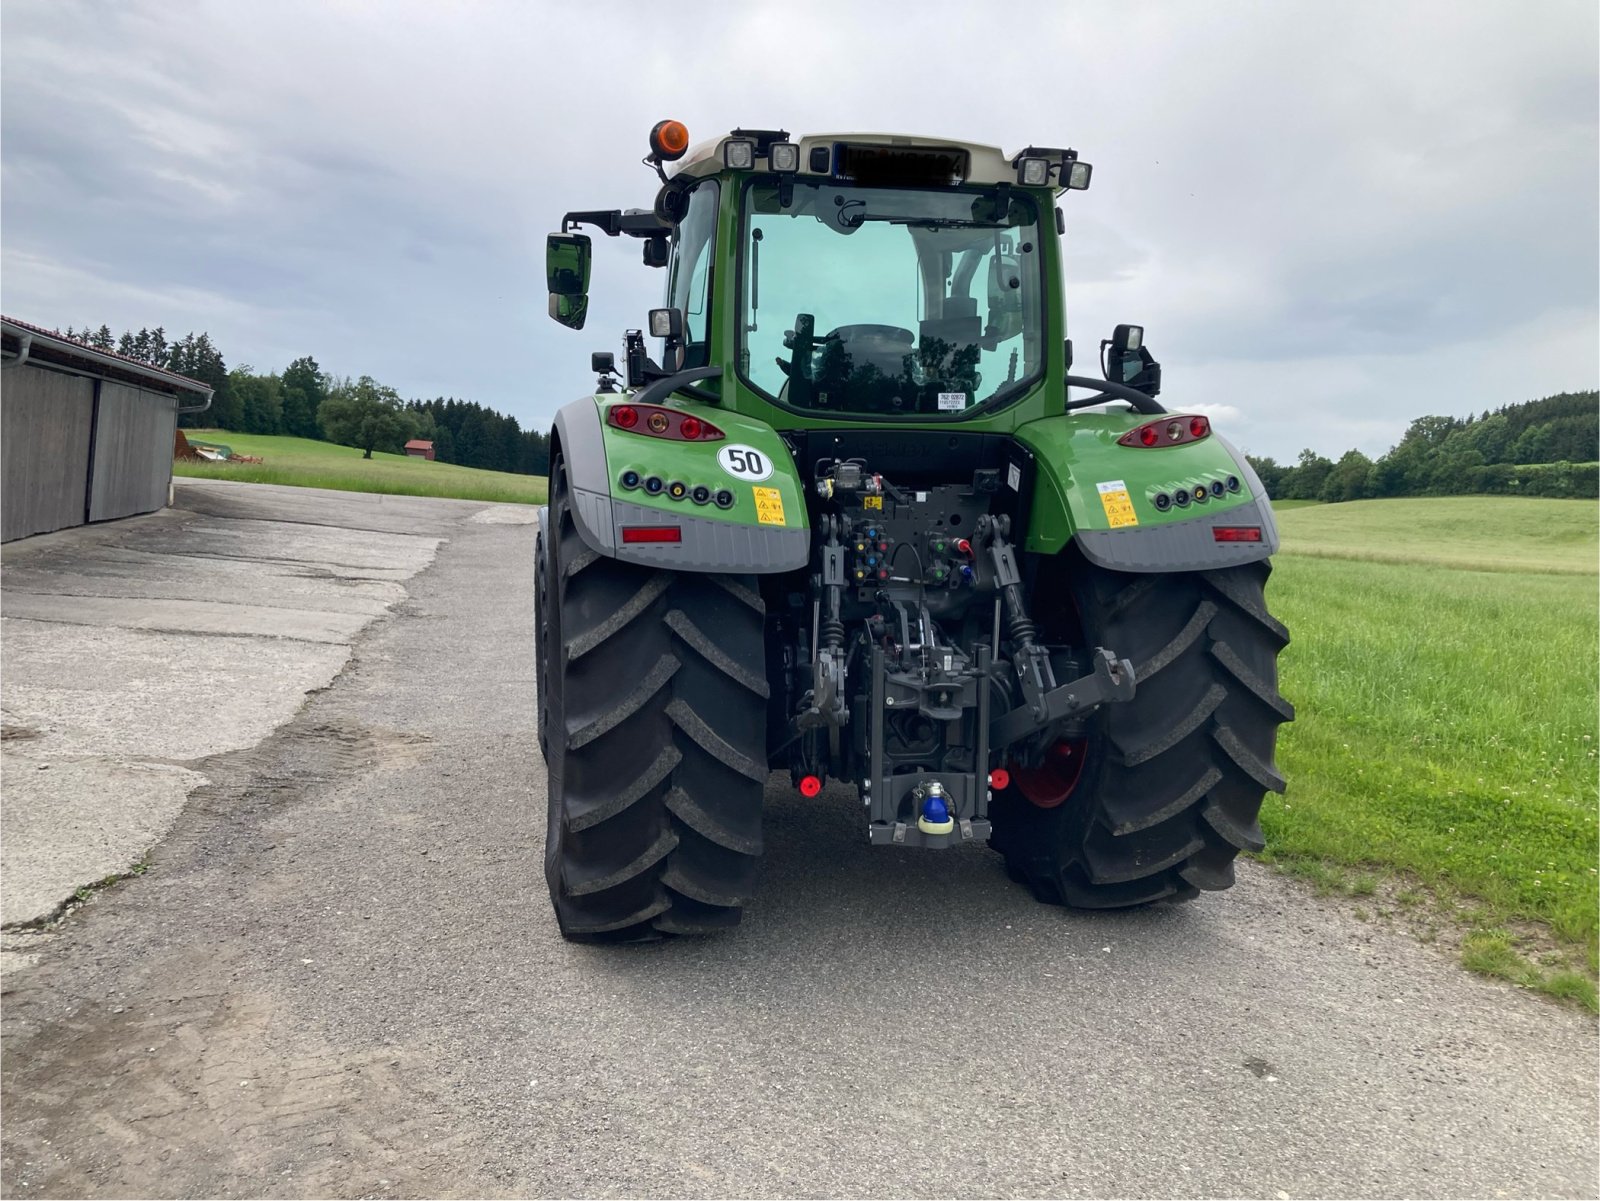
x=760 y=526
x=1121 y=504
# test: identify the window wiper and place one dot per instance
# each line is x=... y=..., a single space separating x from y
x=941 y=223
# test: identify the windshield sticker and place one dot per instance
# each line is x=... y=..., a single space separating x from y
x=1117 y=503
x=769 y=506
x=1014 y=477
x=952 y=402
x=746 y=463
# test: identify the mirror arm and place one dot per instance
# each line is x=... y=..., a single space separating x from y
x=608 y=221
x=637 y=223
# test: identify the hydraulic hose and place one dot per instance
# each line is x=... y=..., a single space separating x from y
x=1139 y=400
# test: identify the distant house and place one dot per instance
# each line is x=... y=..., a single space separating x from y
x=420 y=448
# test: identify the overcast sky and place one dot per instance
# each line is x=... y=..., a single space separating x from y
x=1330 y=217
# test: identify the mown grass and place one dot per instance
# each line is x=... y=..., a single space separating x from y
x=304 y=463
x=1476 y=533
x=1445 y=737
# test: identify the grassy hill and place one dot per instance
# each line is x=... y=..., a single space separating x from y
x=1476 y=533
x=309 y=464
x=1444 y=671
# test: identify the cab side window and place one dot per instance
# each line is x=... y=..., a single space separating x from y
x=689 y=273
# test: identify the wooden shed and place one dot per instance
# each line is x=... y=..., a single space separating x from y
x=87 y=435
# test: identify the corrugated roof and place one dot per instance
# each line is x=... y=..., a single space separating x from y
x=418 y=444
x=59 y=351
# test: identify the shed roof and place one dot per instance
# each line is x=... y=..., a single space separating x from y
x=48 y=348
x=417 y=444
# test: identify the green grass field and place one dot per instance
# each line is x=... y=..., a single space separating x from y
x=1444 y=671
x=308 y=464
x=1476 y=533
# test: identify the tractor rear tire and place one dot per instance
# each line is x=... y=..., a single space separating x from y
x=656 y=740
x=541 y=608
x=1171 y=782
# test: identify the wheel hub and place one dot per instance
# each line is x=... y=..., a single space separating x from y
x=1054 y=780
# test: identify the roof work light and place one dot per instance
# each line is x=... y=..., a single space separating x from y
x=783 y=157
x=1033 y=172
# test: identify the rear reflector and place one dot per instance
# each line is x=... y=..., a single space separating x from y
x=1236 y=533
x=651 y=533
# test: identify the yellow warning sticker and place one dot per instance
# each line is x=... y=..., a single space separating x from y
x=769 y=506
x=872 y=502
x=1117 y=503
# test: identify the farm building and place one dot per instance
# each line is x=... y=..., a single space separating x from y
x=420 y=448
x=85 y=435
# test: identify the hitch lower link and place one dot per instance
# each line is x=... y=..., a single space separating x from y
x=1110 y=682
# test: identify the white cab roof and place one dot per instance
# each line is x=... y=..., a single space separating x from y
x=989 y=164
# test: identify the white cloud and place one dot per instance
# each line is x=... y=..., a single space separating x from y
x=1331 y=216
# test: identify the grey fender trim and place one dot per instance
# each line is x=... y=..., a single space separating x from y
x=705 y=546
x=1183 y=546
x=711 y=545
x=1269 y=525
x=583 y=449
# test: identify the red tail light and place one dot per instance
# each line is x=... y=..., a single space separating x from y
x=810 y=786
x=651 y=533
x=662 y=422
x=1167 y=431
x=999 y=778
x=1236 y=533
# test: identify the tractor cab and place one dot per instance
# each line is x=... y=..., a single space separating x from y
x=873 y=276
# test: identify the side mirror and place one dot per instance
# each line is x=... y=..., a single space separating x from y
x=566 y=269
x=566 y=264
x=667 y=324
x=1128 y=363
x=569 y=310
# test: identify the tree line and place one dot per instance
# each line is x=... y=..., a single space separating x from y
x=306 y=402
x=1542 y=447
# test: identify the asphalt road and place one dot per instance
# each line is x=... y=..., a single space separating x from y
x=341 y=977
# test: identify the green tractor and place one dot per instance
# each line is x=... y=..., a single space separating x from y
x=851 y=524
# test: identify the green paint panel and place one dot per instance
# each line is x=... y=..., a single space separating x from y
x=1077 y=453
x=692 y=463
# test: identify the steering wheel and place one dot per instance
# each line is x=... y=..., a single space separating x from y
x=886 y=333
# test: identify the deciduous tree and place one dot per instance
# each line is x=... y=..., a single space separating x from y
x=365 y=414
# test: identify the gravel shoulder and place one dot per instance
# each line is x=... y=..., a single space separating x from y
x=340 y=976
